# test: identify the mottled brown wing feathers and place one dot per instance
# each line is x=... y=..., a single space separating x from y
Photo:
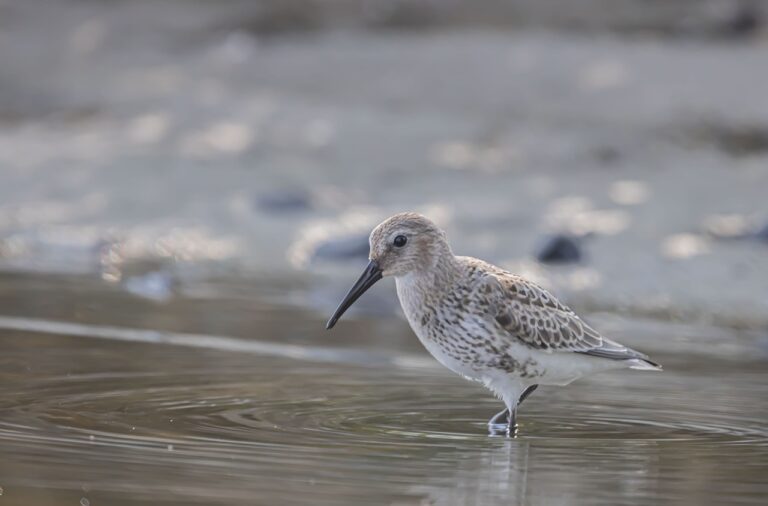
x=534 y=316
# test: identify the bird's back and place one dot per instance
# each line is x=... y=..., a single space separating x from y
x=533 y=315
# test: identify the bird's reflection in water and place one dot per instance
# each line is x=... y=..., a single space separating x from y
x=497 y=474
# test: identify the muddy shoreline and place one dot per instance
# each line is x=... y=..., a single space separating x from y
x=142 y=137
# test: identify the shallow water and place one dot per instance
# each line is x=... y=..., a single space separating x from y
x=262 y=406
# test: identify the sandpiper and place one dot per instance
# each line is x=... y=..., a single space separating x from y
x=483 y=322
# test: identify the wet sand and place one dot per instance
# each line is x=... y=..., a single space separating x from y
x=146 y=132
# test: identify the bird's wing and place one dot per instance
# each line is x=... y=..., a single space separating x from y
x=532 y=315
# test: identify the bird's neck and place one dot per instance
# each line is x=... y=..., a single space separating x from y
x=439 y=277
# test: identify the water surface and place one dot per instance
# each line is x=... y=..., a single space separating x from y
x=262 y=406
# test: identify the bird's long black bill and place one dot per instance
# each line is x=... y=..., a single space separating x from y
x=367 y=279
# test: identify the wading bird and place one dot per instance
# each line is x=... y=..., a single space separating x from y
x=483 y=322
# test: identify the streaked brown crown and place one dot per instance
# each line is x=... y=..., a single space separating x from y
x=425 y=244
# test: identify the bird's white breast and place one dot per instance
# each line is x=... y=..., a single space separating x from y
x=412 y=300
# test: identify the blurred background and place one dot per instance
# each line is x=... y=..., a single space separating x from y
x=186 y=191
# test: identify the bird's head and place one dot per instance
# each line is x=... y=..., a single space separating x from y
x=400 y=245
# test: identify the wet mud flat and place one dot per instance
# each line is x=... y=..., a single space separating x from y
x=94 y=412
x=188 y=131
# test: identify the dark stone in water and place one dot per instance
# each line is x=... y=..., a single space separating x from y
x=735 y=140
x=559 y=249
x=285 y=201
x=762 y=234
x=745 y=21
x=343 y=249
x=607 y=155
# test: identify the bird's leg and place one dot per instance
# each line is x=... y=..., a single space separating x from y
x=528 y=391
x=500 y=418
x=505 y=421
x=512 y=423
x=499 y=423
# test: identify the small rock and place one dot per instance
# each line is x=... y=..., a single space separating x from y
x=342 y=249
x=738 y=141
x=743 y=22
x=607 y=155
x=559 y=249
x=762 y=233
x=285 y=201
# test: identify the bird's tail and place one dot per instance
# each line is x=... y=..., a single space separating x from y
x=632 y=358
x=643 y=364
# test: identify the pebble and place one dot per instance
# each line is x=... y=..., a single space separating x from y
x=762 y=233
x=285 y=201
x=559 y=249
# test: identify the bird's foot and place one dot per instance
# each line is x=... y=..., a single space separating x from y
x=502 y=424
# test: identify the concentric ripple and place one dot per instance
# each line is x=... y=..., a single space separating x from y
x=153 y=422
x=355 y=404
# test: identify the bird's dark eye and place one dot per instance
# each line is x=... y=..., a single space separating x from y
x=400 y=241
